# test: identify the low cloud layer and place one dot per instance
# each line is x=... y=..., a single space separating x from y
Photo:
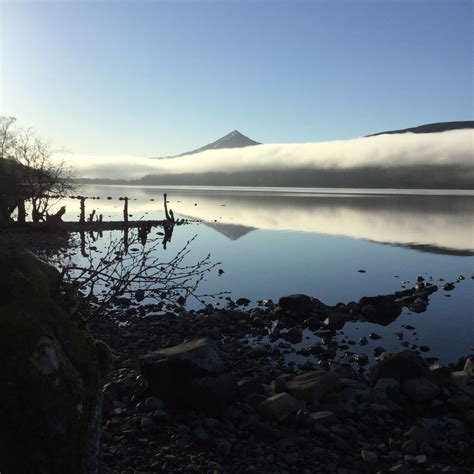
x=452 y=147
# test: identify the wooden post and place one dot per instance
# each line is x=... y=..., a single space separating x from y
x=166 y=208
x=82 y=217
x=125 y=210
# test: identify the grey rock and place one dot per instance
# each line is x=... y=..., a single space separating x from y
x=279 y=407
x=464 y=382
x=223 y=447
x=368 y=457
x=279 y=385
x=294 y=335
x=401 y=468
x=420 y=435
x=189 y=374
x=420 y=389
x=249 y=385
x=336 y=320
x=469 y=366
x=313 y=386
x=401 y=366
x=410 y=447
x=146 y=422
x=153 y=403
x=201 y=435
x=296 y=303
x=386 y=389
x=242 y=301
x=461 y=402
x=325 y=418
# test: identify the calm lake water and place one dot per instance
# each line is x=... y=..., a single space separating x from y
x=273 y=242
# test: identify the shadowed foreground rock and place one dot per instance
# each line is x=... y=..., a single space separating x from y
x=190 y=374
x=53 y=371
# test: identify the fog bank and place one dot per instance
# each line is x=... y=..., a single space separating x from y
x=398 y=150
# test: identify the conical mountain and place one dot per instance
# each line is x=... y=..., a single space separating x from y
x=234 y=139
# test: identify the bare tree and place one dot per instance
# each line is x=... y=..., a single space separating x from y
x=32 y=170
x=7 y=136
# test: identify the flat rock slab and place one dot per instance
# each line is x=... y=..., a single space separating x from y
x=198 y=357
x=313 y=386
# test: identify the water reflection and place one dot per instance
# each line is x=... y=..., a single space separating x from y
x=441 y=224
x=436 y=223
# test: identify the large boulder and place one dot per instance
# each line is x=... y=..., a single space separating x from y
x=297 y=303
x=190 y=374
x=53 y=372
x=313 y=386
x=279 y=407
x=420 y=389
x=401 y=366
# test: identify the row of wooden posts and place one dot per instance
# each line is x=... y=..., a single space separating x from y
x=82 y=218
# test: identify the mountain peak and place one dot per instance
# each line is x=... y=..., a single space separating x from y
x=233 y=139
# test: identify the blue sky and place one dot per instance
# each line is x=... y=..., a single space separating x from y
x=157 y=78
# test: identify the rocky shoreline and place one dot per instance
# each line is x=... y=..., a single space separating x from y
x=194 y=391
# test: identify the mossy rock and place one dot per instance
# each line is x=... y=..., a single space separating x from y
x=53 y=372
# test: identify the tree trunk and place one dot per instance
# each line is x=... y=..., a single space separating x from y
x=21 y=211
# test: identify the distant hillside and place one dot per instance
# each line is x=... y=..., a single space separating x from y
x=233 y=139
x=431 y=128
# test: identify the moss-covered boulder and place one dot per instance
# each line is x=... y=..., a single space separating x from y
x=52 y=374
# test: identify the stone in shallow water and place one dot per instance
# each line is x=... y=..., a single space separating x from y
x=336 y=320
x=297 y=303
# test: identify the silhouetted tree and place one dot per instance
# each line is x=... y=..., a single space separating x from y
x=30 y=170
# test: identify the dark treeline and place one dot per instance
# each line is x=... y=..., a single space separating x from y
x=413 y=177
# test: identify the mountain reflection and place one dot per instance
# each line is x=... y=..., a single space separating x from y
x=441 y=224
